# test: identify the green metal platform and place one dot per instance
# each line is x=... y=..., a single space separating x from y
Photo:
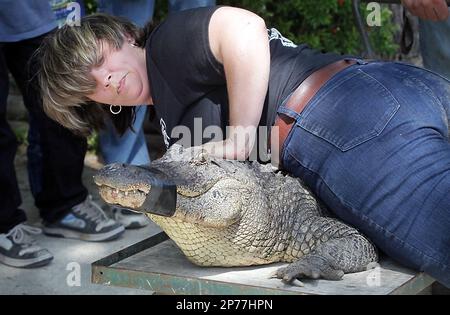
x=156 y=264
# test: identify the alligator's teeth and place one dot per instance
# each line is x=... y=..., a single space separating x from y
x=126 y=193
x=117 y=191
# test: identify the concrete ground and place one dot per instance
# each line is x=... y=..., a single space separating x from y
x=61 y=276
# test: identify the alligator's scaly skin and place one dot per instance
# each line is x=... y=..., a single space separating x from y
x=232 y=213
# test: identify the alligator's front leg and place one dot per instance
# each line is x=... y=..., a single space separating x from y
x=341 y=249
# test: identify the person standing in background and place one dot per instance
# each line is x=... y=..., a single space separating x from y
x=434 y=31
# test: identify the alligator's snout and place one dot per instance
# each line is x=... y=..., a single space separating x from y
x=139 y=188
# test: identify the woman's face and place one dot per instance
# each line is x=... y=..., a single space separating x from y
x=122 y=77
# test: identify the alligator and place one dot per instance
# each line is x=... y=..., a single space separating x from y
x=234 y=213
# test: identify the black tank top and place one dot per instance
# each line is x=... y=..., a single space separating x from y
x=187 y=82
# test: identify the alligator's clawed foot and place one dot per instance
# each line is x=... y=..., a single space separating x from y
x=294 y=282
x=312 y=266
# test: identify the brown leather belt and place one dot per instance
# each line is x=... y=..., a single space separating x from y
x=297 y=102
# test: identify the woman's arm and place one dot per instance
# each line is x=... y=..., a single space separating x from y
x=238 y=39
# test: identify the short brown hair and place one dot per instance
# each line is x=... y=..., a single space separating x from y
x=66 y=58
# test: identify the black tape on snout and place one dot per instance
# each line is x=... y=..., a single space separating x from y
x=162 y=199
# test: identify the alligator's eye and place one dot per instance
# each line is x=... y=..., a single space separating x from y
x=202 y=157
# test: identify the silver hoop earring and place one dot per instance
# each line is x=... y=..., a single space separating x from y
x=112 y=111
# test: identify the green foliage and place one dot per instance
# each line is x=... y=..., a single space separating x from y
x=327 y=25
x=93 y=143
x=21 y=133
x=382 y=38
x=90 y=6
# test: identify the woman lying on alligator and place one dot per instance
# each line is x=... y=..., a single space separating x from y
x=369 y=138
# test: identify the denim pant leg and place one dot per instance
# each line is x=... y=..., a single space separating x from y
x=10 y=215
x=131 y=147
x=373 y=145
x=180 y=5
x=435 y=46
x=137 y=11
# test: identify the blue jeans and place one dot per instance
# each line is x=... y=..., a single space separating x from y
x=373 y=144
x=138 y=11
x=180 y=5
x=141 y=11
x=435 y=46
x=131 y=147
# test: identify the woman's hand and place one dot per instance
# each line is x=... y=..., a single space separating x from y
x=435 y=10
x=237 y=146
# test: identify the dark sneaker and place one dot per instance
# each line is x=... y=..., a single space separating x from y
x=86 y=221
x=19 y=249
x=128 y=218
